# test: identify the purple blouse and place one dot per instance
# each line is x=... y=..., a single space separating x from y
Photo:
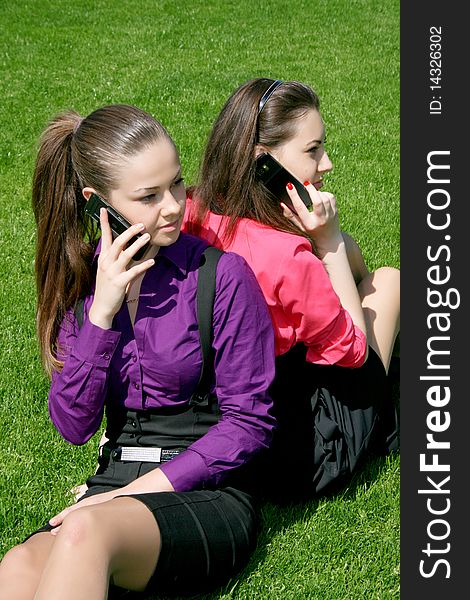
x=158 y=362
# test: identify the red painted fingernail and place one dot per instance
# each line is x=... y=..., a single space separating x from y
x=306 y=182
x=290 y=186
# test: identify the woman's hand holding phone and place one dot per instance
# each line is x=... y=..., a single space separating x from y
x=321 y=223
x=113 y=276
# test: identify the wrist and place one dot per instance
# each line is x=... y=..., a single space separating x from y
x=100 y=318
x=153 y=481
x=329 y=245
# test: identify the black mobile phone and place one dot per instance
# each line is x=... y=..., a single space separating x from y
x=117 y=222
x=275 y=177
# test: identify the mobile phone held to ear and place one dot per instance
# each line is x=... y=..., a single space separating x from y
x=117 y=222
x=275 y=177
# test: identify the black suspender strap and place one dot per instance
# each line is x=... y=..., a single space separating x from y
x=80 y=311
x=205 y=307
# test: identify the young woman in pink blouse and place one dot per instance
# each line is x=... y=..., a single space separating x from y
x=335 y=322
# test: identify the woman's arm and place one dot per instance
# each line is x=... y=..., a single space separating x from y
x=154 y=481
x=335 y=259
x=244 y=370
x=78 y=392
x=323 y=226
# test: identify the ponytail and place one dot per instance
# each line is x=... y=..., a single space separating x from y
x=65 y=239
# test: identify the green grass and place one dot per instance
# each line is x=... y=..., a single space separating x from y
x=180 y=60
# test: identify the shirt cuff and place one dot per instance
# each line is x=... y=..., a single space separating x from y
x=96 y=345
x=186 y=472
x=349 y=349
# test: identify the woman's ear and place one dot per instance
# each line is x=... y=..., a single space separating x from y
x=259 y=149
x=87 y=192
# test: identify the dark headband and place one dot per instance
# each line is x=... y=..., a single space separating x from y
x=268 y=93
x=266 y=96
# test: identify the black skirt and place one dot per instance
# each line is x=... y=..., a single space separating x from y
x=330 y=419
x=207 y=537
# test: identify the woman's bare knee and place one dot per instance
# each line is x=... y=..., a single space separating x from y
x=123 y=532
x=29 y=555
x=80 y=527
x=390 y=276
x=17 y=559
x=355 y=258
x=21 y=568
x=380 y=296
x=380 y=291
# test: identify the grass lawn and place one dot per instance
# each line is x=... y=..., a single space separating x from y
x=180 y=60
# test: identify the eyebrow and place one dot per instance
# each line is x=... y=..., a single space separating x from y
x=155 y=187
x=319 y=141
x=148 y=189
x=312 y=143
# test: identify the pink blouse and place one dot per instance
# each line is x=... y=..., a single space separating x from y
x=301 y=300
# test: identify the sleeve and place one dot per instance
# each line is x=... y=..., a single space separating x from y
x=311 y=305
x=244 y=370
x=78 y=391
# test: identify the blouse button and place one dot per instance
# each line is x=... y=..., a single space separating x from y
x=137 y=386
x=134 y=358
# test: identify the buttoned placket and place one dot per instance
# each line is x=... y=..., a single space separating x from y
x=135 y=377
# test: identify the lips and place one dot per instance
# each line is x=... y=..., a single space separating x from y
x=170 y=226
x=318 y=184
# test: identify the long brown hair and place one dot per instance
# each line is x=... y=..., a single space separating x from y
x=75 y=153
x=227 y=182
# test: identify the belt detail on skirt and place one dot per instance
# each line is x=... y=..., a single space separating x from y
x=140 y=454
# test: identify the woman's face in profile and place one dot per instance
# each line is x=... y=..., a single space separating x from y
x=304 y=155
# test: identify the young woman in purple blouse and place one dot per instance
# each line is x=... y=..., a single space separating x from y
x=168 y=510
